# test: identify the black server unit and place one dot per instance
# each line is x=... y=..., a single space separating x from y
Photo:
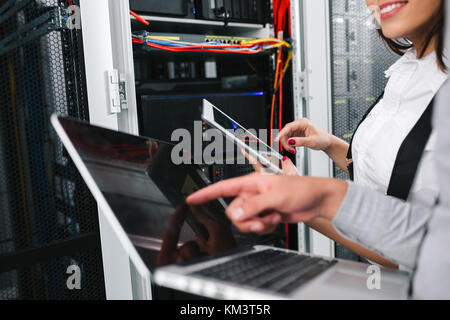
x=243 y=11
x=175 y=8
x=184 y=110
x=359 y=58
x=249 y=11
x=48 y=219
x=248 y=107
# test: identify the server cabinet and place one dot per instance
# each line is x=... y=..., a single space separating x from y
x=109 y=55
x=48 y=219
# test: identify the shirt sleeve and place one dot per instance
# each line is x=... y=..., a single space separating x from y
x=393 y=228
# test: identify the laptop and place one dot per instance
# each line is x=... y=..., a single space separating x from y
x=197 y=250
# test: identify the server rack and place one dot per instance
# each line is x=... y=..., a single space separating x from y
x=161 y=74
x=48 y=220
x=108 y=50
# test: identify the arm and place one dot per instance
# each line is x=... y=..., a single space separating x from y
x=325 y=227
x=388 y=226
x=395 y=229
x=337 y=151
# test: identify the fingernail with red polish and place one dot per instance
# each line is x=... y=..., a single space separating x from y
x=285 y=158
x=291 y=142
x=293 y=151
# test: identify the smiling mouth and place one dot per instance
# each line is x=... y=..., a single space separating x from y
x=389 y=9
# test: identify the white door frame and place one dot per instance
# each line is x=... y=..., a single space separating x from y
x=317 y=76
x=105 y=50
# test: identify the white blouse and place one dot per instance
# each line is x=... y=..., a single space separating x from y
x=412 y=85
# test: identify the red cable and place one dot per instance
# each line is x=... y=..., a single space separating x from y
x=280 y=106
x=287 y=235
x=71 y=5
x=139 y=18
x=280 y=10
x=186 y=49
x=202 y=46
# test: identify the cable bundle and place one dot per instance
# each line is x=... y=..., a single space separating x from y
x=245 y=47
x=281 y=15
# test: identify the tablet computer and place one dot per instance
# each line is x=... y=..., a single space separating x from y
x=243 y=138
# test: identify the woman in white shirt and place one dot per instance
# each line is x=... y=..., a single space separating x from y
x=396 y=133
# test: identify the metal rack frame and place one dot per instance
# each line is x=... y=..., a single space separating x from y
x=310 y=21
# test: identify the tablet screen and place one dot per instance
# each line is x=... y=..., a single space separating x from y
x=240 y=132
x=249 y=138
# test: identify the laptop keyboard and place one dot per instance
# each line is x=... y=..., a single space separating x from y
x=273 y=270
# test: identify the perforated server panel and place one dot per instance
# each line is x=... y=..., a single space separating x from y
x=48 y=219
x=359 y=59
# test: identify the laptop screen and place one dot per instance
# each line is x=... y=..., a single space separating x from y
x=146 y=192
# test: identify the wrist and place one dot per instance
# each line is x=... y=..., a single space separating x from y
x=332 y=144
x=334 y=192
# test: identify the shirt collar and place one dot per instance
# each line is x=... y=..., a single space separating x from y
x=410 y=58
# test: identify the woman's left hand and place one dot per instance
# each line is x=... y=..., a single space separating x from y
x=289 y=168
x=287 y=165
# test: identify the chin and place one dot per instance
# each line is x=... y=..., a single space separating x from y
x=392 y=31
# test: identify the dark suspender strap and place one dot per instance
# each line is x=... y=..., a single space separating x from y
x=349 y=153
x=409 y=155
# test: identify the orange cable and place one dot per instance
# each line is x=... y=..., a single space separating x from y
x=274 y=95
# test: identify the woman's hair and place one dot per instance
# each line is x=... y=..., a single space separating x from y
x=399 y=47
